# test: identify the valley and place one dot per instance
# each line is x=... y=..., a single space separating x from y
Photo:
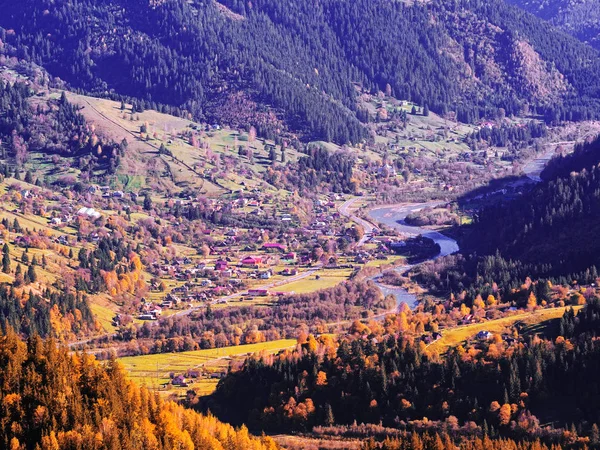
x=366 y=225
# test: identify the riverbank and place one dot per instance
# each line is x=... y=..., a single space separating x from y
x=393 y=216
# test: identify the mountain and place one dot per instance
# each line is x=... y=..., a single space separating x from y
x=580 y=18
x=268 y=61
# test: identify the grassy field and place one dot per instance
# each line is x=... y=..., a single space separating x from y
x=104 y=314
x=189 y=165
x=455 y=336
x=327 y=279
x=155 y=370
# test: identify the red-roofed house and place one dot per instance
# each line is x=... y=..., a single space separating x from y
x=251 y=261
x=221 y=265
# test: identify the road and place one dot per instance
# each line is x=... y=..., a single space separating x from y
x=367 y=226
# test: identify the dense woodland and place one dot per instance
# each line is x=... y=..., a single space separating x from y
x=46 y=314
x=495 y=389
x=584 y=156
x=317 y=169
x=209 y=59
x=554 y=225
x=53 y=400
x=580 y=19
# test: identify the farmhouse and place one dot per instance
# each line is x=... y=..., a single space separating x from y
x=90 y=213
x=221 y=265
x=251 y=261
x=258 y=292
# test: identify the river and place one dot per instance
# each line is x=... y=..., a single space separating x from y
x=393 y=216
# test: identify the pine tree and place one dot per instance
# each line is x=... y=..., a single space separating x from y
x=329 y=419
x=31 y=274
x=19 y=276
x=5 y=259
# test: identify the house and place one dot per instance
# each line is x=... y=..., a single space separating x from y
x=118 y=194
x=484 y=335
x=179 y=380
x=258 y=292
x=251 y=261
x=274 y=246
x=221 y=265
x=147 y=316
x=90 y=213
x=56 y=221
x=266 y=275
x=155 y=310
x=290 y=256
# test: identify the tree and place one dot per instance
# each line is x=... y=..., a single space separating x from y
x=595 y=435
x=504 y=414
x=6 y=259
x=329 y=418
x=413 y=110
x=426 y=110
x=252 y=134
x=205 y=251
x=272 y=154
x=19 y=279
x=147 y=202
x=31 y=274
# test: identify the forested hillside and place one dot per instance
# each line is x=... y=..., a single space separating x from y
x=581 y=18
x=53 y=400
x=493 y=390
x=551 y=230
x=307 y=62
